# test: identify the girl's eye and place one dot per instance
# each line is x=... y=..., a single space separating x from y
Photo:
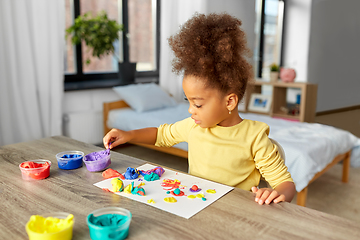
x=197 y=106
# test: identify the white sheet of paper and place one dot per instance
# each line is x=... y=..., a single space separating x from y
x=184 y=207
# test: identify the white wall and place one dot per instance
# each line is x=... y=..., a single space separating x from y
x=334 y=53
x=296 y=37
x=241 y=9
x=321 y=42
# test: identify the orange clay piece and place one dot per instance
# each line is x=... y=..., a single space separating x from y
x=110 y=173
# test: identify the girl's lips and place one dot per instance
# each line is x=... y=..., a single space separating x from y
x=196 y=121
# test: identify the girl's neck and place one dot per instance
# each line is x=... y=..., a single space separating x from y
x=233 y=119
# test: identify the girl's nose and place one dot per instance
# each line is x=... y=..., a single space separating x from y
x=191 y=110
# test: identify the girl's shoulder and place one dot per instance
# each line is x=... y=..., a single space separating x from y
x=253 y=124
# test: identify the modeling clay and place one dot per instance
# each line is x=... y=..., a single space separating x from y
x=150 y=201
x=128 y=189
x=108 y=220
x=40 y=224
x=94 y=156
x=170 y=200
x=204 y=199
x=177 y=192
x=200 y=195
x=110 y=173
x=211 y=191
x=135 y=190
x=41 y=173
x=97 y=161
x=170 y=184
x=191 y=196
x=151 y=177
x=131 y=173
x=195 y=188
x=158 y=170
x=30 y=164
x=70 y=161
x=117 y=184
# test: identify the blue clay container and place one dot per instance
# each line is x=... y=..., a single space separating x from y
x=70 y=159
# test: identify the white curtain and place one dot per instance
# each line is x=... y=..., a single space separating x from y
x=176 y=12
x=31 y=69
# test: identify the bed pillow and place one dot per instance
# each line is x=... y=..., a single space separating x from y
x=145 y=97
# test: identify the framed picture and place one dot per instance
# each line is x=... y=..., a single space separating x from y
x=260 y=103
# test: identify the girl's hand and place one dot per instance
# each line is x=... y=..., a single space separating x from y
x=267 y=195
x=115 y=137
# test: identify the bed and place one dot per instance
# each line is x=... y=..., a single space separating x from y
x=310 y=148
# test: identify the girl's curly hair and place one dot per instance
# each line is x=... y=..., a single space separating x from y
x=213 y=47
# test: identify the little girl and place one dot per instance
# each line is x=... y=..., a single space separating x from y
x=222 y=147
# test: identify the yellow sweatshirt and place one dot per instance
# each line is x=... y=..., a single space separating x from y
x=235 y=156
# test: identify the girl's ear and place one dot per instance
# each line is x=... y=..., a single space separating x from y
x=232 y=101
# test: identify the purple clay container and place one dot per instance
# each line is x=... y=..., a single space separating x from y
x=97 y=161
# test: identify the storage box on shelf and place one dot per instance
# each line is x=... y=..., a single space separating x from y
x=307 y=106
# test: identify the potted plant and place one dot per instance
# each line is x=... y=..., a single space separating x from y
x=99 y=34
x=274 y=72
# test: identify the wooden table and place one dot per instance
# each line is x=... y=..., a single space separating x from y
x=234 y=216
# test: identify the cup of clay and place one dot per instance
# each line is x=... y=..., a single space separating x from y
x=109 y=223
x=70 y=159
x=50 y=226
x=97 y=161
x=35 y=169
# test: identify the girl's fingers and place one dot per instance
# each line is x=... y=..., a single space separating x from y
x=265 y=194
x=281 y=198
x=272 y=196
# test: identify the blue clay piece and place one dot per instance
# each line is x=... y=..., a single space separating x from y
x=75 y=161
x=131 y=173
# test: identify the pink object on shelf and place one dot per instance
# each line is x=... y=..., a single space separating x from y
x=287 y=74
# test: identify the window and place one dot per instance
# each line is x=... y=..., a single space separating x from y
x=139 y=43
x=269 y=34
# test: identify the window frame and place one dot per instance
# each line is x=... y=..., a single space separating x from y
x=260 y=56
x=81 y=81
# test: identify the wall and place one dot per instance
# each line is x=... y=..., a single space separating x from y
x=321 y=42
x=334 y=53
x=296 y=37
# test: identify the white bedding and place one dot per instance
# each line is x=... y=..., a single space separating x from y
x=308 y=147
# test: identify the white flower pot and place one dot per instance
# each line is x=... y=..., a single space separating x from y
x=274 y=76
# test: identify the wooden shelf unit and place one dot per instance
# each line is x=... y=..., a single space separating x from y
x=279 y=91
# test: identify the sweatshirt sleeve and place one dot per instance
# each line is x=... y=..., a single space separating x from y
x=268 y=160
x=171 y=134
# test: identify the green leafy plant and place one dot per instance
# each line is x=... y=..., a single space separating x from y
x=274 y=67
x=98 y=33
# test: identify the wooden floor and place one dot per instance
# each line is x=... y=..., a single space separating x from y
x=327 y=194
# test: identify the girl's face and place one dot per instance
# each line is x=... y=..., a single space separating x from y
x=208 y=106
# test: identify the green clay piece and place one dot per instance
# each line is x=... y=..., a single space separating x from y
x=177 y=191
x=204 y=199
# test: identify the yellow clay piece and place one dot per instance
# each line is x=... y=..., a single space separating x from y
x=192 y=196
x=211 y=191
x=170 y=200
x=39 y=224
x=200 y=195
x=117 y=185
x=151 y=201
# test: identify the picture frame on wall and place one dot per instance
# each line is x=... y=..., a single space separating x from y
x=260 y=103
